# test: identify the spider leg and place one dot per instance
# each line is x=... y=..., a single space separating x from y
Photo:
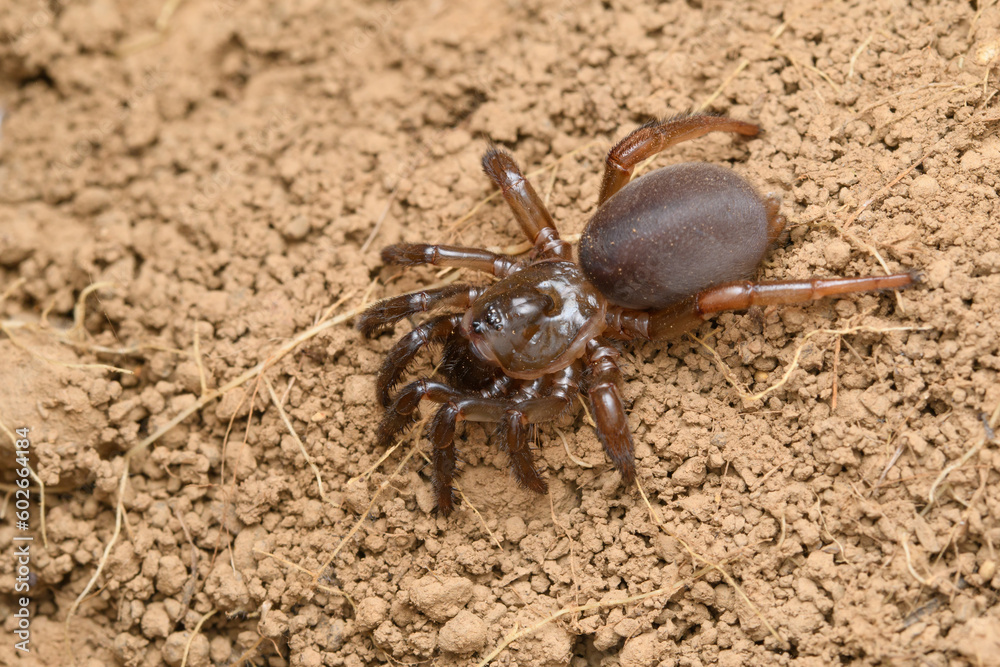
x=387 y=312
x=541 y=400
x=403 y=412
x=685 y=315
x=414 y=254
x=514 y=433
x=657 y=136
x=527 y=206
x=775 y=220
x=435 y=330
x=441 y=430
x=603 y=378
x=517 y=426
x=441 y=433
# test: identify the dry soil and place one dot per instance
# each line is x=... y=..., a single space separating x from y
x=189 y=187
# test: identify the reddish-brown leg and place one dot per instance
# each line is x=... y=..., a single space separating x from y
x=657 y=136
x=441 y=433
x=686 y=315
x=386 y=313
x=435 y=330
x=528 y=207
x=603 y=378
x=775 y=221
x=515 y=416
x=539 y=401
x=413 y=254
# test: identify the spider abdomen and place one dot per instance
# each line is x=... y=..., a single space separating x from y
x=672 y=233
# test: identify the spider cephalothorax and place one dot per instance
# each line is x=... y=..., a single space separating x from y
x=659 y=256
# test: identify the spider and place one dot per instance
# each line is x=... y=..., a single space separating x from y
x=660 y=255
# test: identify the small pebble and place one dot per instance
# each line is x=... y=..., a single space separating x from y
x=987 y=570
x=924 y=186
x=463 y=634
x=371 y=612
x=837 y=253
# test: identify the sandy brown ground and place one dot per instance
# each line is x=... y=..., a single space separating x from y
x=211 y=176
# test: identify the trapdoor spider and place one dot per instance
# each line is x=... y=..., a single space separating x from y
x=660 y=255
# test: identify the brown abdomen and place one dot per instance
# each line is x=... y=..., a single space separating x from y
x=672 y=233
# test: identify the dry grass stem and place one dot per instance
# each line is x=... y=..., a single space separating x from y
x=80 y=309
x=295 y=436
x=711 y=565
x=13 y=287
x=119 y=513
x=149 y=39
x=194 y=633
x=468 y=502
x=375 y=466
x=725 y=82
x=972 y=451
x=569 y=454
x=251 y=374
x=836 y=365
x=857 y=54
x=518 y=633
x=794 y=364
x=904 y=540
x=184 y=414
x=361 y=519
x=202 y=381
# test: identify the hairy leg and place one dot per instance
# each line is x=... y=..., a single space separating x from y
x=603 y=378
x=415 y=254
x=388 y=312
x=435 y=330
x=539 y=401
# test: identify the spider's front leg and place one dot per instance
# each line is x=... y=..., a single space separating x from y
x=415 y=254
x=456 y=406
x=516 y=416
x=535 y=402
x=434 y=331
x=387 y=312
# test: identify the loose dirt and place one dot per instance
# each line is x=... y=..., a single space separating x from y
x=193 y=194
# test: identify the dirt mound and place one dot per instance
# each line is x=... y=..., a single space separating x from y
x=192 y=199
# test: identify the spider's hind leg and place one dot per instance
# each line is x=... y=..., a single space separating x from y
x=648 y=140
